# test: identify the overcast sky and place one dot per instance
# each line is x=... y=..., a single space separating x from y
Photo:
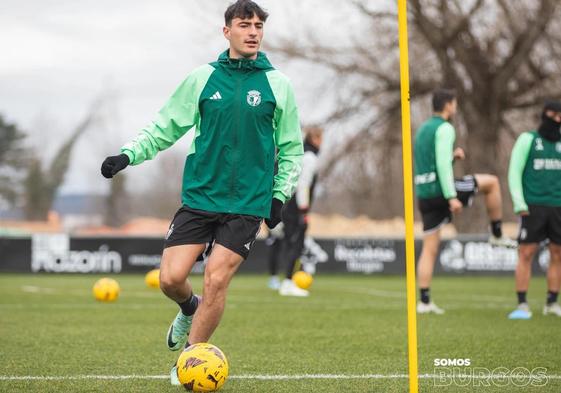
x=58 y=55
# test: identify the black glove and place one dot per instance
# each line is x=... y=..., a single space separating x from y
x=114 y=164
x=276 y=214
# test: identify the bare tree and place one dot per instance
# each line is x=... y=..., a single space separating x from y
x=500 y=56
x=13 y=160
x=42 y=183
x=162 y=197
x=503 y=59
x=117 y=206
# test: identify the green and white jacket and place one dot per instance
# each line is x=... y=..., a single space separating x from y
x=240 y=111
x=434 y=156
x=534 y=173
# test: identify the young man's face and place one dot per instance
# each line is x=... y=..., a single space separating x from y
x=451 y=107
x=245 y=37
x=317 y=139
x=556 y=116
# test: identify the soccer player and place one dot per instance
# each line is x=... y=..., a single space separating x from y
x=241 y=109
x=274 y=242
x=439 y=195
x=274 y=248
x=534 y=178
x=295 y=213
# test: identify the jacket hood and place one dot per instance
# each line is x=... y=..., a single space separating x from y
x=260 y=63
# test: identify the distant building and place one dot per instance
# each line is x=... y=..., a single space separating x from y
x=75 y=211
x=80 y=210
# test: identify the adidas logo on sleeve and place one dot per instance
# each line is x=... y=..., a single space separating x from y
x=216 y=96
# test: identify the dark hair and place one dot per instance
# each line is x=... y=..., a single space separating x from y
x=441 y=97
x=244 y=9
x=552 y=105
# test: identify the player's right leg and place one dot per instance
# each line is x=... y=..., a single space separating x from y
x=425 y=268
x=189 y=233
x=526 y=252
x=435 y=213
x=533 y=230
x=177 y=262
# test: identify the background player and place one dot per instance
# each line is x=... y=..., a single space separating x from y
x=534 y=178
x=274 y=243
x=295 y=212
x=439 y=195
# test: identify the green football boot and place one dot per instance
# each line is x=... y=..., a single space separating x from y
x=179 y=330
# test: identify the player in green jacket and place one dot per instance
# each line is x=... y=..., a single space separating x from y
x=439 y=195
x=241 y=109
x=534 y=178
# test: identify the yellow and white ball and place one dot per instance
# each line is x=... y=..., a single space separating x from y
x=202 y=367
x=302 y=279
x=106 y=290
x=152 y=278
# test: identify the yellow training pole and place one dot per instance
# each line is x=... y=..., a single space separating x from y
x=408 y=197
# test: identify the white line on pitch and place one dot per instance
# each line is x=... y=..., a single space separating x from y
x=258 y=377
x=35 y=289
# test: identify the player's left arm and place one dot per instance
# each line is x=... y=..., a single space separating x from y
x=444 y=150
x=518 y=159
x=288 y=140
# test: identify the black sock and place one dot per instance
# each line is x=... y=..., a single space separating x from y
x=189 y=306
x=521 y=297
x=496 y=228
x=425 y=295
x=552 y=297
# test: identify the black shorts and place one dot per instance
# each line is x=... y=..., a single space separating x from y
x=436 y=212
x=236 y=232
x=544 y=222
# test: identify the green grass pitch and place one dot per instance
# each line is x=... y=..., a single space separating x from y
x=50 y=325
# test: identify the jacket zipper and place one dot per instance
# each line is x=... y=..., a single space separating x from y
x=236 y=129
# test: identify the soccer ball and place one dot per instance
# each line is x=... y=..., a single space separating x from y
x=202 y=367
x=152 y=278
x=302 y=279
x=106 y=290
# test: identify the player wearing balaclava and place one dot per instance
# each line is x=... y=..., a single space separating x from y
x=534 y=178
